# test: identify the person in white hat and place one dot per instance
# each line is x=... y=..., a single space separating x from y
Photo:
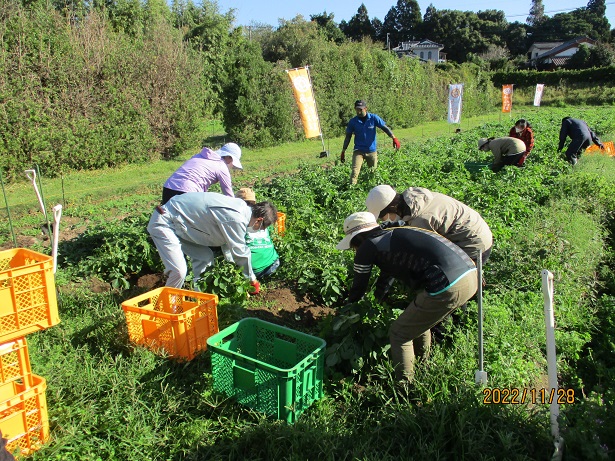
x=420 y=207
x=506 y=151
x=204 y=169
x=423 y=260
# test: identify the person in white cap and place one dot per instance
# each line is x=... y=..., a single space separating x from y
x=420 y=207
x=193 y=222
x=204 y=169
x=506 y=151
x=423 y=260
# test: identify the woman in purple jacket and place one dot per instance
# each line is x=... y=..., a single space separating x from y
x=204 y=169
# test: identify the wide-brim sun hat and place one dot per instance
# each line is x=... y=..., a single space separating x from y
x=379 y=198
x=482 y=142
x=355 y=224
x=231 y=150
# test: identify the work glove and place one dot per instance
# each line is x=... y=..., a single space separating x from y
x=396 y=143
x=256 y=287
x=343 y=157
x=601 y=146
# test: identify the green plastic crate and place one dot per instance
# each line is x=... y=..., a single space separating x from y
x=267 y=367
x=475 y=167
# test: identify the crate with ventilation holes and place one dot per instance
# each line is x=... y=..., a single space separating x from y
x=173 y=321
x=270 y=368
x=28 y=301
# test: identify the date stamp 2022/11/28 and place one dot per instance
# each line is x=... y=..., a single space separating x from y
x=515 y=396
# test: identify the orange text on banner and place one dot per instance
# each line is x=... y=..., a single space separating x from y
x=302 y=89
x=507 y=91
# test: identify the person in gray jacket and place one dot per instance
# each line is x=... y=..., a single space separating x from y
x=581 y=137
x=420 y=207
x=506 y=151
x=191 y=223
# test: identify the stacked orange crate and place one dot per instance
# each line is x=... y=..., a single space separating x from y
x=27 y=304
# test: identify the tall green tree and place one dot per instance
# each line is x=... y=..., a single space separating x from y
x=458 y=31
x=359 y=25
x=597 y=7
x=537 y=13
x=328 y=26
x=403 y=21
x=517 y=39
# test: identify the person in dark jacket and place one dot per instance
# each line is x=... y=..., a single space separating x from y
x=523 y=131
x=420 y=258
x=581 y=137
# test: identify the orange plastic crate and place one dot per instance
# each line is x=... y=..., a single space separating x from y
x=280 y=225
x=28 y=300
x=23 y=418
x=176 y=321
x=14 y=366
x=609 y=149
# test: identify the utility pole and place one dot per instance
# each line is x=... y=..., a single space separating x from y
x=388 y=43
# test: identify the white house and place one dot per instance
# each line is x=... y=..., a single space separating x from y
x=556 y=54
x=425 y=50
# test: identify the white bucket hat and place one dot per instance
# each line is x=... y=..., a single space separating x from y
x=355 y=224
x=379 y=198
x=231 y=150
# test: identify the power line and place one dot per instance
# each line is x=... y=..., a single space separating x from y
x=552 y=11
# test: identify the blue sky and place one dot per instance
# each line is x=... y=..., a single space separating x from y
x=248 y=12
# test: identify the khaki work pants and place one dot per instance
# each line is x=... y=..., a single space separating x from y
x=357 y=162
x=410 y=334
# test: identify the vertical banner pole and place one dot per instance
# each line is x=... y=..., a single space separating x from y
x=8 y=210
x=304 y=96
x=307 y=68
x=480 y=376
x=547 y=291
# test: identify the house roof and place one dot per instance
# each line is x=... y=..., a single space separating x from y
x=565 y=46
x=416 y=44
x=545 y=45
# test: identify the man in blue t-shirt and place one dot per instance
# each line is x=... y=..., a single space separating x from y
x=363 y=126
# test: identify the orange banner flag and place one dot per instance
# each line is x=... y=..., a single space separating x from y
x=507 y=91
x=302 y=89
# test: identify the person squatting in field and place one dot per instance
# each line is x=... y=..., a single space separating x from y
x=581 y=137
x=265 y=260
x=420 y=207
x=191 y=223
x=204 y=169
x=506 y=151
x=363 y=126
x=423 y=260
x=523 y=131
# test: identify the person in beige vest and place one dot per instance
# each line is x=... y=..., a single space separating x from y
x=420 y=207
x=506 y=151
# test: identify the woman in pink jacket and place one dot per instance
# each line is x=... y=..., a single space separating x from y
x=204 y=169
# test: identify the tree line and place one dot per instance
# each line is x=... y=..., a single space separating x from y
x=487 y=34
x=92 y=84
